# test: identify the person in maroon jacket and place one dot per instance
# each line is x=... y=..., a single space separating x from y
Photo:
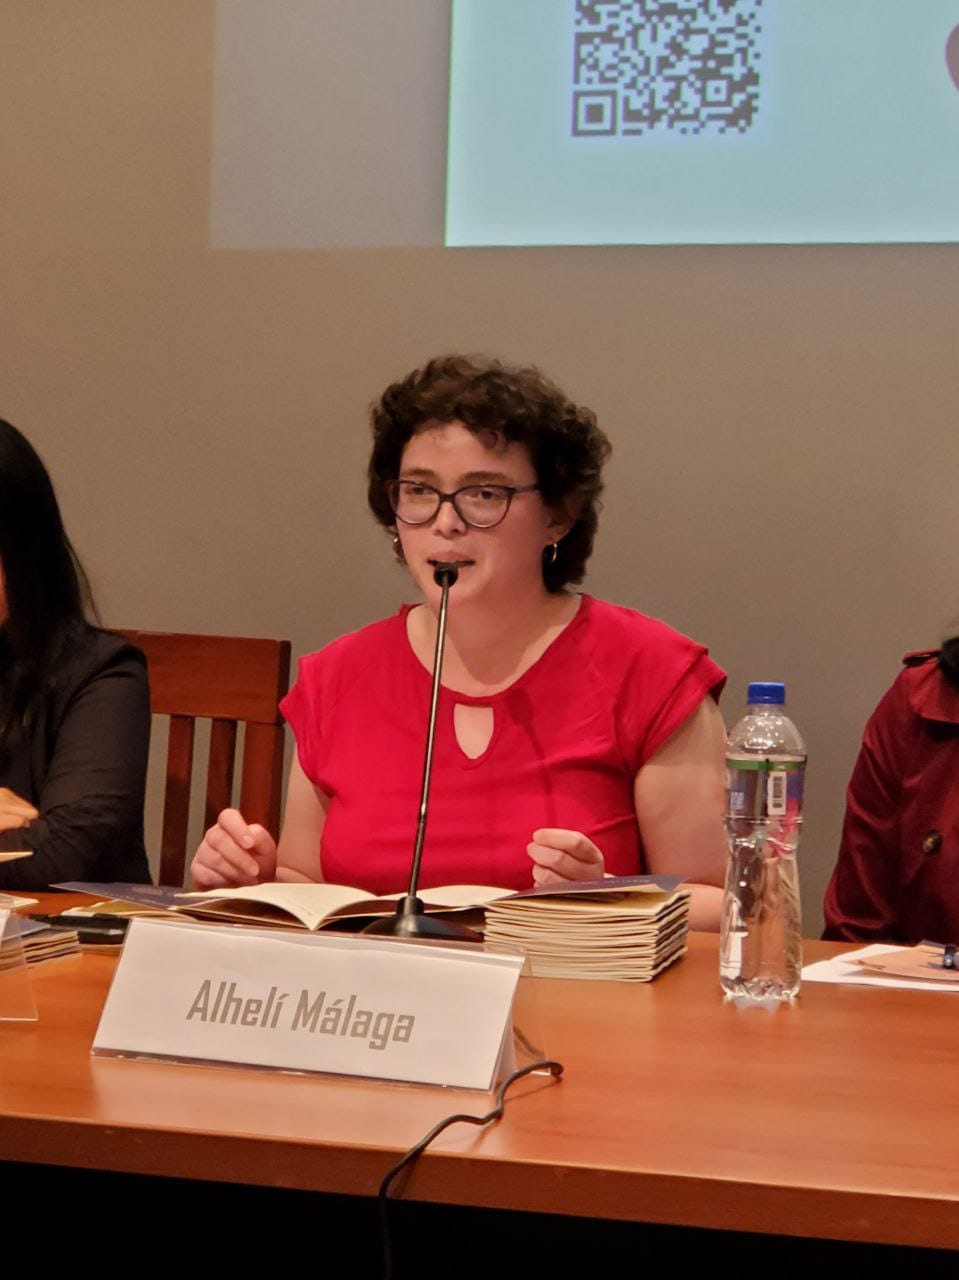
x=897 y=877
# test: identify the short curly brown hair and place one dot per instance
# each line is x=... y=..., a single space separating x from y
x=514 y=404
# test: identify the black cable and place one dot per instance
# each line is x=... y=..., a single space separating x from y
x=545 y=1064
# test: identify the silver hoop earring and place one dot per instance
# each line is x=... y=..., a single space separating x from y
x=551 y=553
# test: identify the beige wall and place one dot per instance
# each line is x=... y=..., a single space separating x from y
x=785 y=451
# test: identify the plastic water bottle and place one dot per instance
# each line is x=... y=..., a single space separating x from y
x=760 y=941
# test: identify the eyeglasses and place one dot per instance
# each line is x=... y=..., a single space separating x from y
x=480 y=505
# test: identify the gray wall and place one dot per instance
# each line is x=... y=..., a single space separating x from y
x=785 y=455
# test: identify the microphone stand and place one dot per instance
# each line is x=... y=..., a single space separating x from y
x=410 y=919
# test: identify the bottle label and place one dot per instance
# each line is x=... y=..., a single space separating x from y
x=776 y=793
x=762 y=787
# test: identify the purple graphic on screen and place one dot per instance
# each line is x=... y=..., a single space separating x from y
x=952 y=55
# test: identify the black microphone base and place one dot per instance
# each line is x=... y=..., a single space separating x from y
x=411 y=921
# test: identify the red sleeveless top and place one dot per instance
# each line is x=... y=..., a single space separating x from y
x=569 y=737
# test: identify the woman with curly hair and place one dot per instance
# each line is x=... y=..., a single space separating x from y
x=575 y=738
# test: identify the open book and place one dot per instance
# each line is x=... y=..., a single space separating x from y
x=294 y=906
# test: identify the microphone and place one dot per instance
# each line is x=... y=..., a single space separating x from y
x=445 y=575
x=410 y=919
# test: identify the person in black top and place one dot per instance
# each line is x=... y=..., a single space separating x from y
x=74 y=701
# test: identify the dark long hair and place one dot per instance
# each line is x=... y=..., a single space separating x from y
x=47 y=592
x=949 y=660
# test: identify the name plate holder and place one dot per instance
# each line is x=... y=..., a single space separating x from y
x=16 y=990
x=378 y=1008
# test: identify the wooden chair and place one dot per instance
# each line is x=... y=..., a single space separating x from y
x=228 y=680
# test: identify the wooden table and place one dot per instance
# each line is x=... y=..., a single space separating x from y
x=837 y=1118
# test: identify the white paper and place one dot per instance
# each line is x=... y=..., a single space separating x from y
x=839 y=969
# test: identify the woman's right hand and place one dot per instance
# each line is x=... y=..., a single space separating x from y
x=234 y=853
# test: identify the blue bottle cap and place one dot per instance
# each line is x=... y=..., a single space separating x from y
x=770 y=691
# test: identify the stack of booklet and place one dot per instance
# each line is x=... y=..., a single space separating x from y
x=36 y=941
x=627 y=928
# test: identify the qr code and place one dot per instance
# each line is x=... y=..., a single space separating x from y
x=682 y=65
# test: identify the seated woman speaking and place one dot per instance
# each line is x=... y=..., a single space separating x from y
x=574 y=737
x=74 y=703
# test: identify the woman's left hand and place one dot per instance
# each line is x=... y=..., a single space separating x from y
x=560 y=856
x=14 y=811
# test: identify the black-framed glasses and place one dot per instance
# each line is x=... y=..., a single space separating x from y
x=480 y=505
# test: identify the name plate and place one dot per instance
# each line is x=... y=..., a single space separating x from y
x=310 y=1002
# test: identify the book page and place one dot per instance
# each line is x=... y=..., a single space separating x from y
x=311 y=904
x=632 y=904
x=603 y=887
x=456 y=896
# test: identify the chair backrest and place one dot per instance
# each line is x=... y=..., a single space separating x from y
x=228 y=680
